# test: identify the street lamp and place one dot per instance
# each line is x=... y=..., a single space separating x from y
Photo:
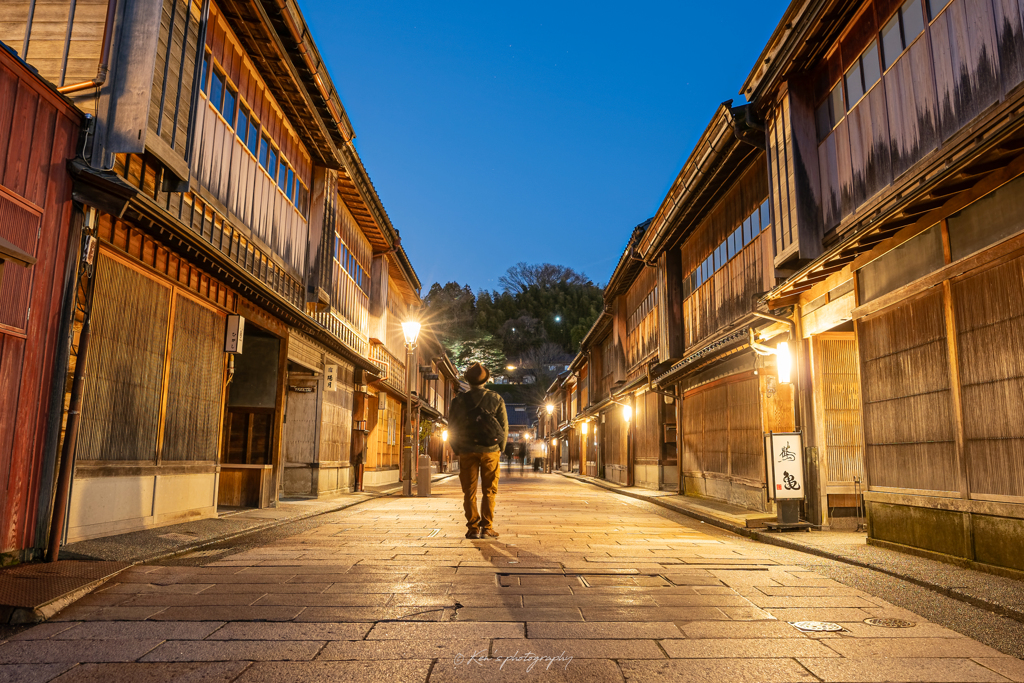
x=411 y=331
x=550 y=408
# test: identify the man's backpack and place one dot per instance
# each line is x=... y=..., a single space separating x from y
x=481 y=427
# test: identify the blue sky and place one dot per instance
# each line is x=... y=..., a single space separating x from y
x=539 y=132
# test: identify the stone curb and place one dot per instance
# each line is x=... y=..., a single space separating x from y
x=772 y=539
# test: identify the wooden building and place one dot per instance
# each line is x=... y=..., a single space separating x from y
x=438 y=385
x=710 y=250
x=39 y=249
x=895 y=153
x=220 y=180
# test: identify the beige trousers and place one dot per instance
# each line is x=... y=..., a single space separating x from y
x=483 y=466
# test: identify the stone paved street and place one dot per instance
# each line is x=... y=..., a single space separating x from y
x=582 y=585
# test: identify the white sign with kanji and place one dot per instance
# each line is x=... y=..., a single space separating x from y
x=330 y=377
x=785 y=465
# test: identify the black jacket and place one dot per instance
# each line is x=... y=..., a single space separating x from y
x=490 y=402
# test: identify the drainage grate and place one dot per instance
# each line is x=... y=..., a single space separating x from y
x=889 y=623
x=816 y=626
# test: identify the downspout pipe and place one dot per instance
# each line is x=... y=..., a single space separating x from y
x=779 y=319
x=101 y=72
x=67 y=455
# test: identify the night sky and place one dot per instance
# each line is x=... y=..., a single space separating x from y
x=539 y=132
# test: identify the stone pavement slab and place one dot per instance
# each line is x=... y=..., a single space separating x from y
x=578 y=588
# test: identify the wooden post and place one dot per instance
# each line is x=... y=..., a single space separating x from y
x=279 y=409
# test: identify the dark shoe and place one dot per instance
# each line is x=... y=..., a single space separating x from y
x=489 y=533
x=472 y=533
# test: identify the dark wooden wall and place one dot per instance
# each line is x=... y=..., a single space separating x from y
x=728 y=293
x=969 y=57
x=38 y=135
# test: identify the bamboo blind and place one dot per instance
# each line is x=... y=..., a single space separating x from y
x=908 y=412
x=121 y=405
x=746 y=447
x=989 y=313
x=195 y=387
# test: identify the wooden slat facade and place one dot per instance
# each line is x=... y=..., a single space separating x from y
x=38 y=135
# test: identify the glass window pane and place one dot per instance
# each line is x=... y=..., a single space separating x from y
x=290 y=185
x=936 y=6
x=908 y=262
x=838 y=106
x=892 y=43
x=216 y=89
x=206 y=73
x=913 y=20
x=823 y=120
x=737 y=235
x=854 y=85
x=243 y=124
x=228 y=110
x=254 y=137
x=282 y=177
x=992 y=218
x=872 y=69
x=272 y=163
x=766 y=219
x=264 y=151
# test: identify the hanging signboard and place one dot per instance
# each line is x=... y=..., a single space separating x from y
x=330 y=377
x=234 y=334
x=785 y=465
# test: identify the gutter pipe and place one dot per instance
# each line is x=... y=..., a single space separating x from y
x=102 y=70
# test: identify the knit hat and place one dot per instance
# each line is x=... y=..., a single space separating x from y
x=477 y=375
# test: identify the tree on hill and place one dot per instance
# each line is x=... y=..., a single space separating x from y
x=522 y=276
x=540 y=306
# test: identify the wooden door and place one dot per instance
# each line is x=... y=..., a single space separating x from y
x=837 y=397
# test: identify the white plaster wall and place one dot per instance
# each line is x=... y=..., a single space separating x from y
x=103 y=506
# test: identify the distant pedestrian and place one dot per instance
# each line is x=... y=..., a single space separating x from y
x=478 y=428
x=522 y=455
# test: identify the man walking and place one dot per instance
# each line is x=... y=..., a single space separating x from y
x=478 y=428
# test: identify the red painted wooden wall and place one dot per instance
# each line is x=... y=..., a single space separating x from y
x=38 y=135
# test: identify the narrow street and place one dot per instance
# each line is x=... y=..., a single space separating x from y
x=582 y=585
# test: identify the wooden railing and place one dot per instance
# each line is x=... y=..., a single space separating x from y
x=343 y=331
x=393 y=370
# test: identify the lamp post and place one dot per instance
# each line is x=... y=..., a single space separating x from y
x=627 y=415
x=411 y=331
x=550 y=408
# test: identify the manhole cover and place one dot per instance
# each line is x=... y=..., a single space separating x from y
x=889 y=623
x=816 y=626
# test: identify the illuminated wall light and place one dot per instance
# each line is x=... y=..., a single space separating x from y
x=785 y=362
x=584 y=427
x=627 y=413
x=444 y=435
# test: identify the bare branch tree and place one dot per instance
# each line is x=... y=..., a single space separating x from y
x=522 y=276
